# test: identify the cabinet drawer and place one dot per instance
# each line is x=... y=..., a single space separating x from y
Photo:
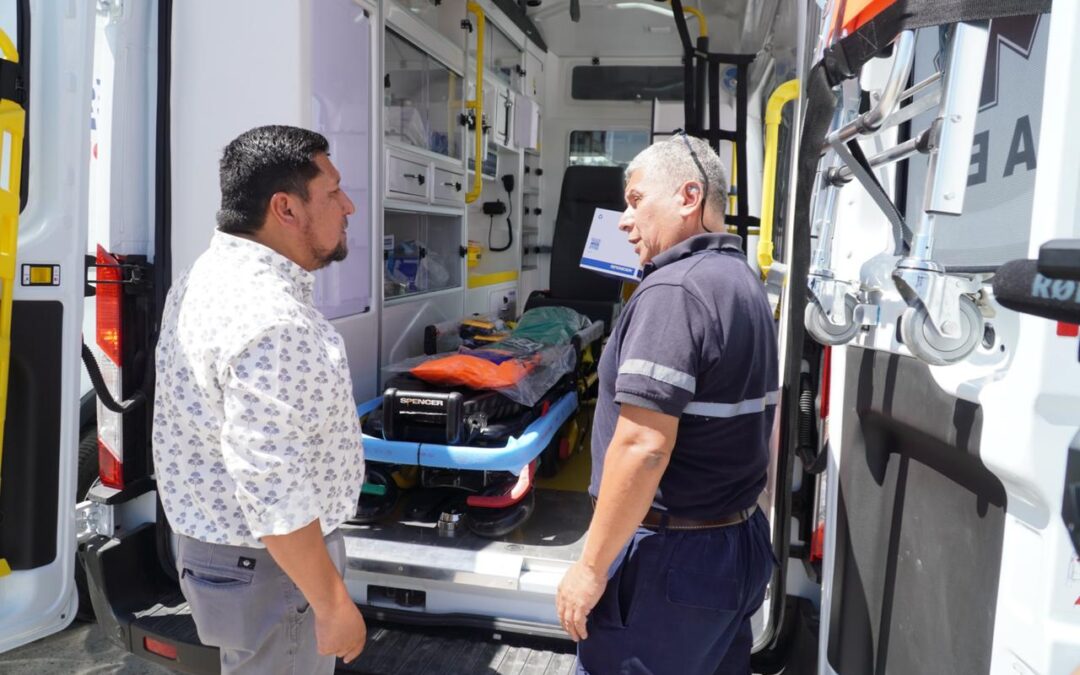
x=406 y=177
x=449 y=186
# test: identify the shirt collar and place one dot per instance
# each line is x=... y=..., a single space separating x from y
x=712 y=241
x=298 y=279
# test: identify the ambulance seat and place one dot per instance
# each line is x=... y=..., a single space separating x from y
x=584 y=189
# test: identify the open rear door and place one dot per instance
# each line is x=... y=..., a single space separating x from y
x=45 y=92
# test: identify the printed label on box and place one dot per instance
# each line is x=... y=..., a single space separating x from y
x=607 y=249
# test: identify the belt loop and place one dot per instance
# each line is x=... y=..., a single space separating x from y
x=663 y=523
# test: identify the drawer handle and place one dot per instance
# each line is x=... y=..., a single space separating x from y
x=456 y=186
x=419 y=177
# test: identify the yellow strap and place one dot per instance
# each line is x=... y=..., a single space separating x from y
x=12 y=129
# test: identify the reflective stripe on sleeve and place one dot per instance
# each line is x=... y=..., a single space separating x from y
x=675 y=378
x=748 y=407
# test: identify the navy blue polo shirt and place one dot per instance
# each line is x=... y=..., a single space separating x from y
x=697 y=341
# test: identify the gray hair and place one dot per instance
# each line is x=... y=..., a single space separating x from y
x=670 y=158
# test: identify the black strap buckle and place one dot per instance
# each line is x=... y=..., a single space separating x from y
x=12 y=82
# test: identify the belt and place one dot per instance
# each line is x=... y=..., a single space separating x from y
x=661 y=520
x=656 y=520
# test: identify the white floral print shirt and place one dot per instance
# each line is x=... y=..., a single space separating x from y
x=255 y=426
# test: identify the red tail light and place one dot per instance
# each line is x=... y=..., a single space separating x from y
x=110 y=468
x=109 y=309
x=817 y=544
x=110 y=317
x=162 y=649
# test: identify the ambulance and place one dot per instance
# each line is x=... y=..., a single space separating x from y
x=904 y=179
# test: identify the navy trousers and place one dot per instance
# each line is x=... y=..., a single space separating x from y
x=680 y=602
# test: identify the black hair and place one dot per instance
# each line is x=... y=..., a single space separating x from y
x=259 y=163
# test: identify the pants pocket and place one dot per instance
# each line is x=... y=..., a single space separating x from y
x=702 y=591
x=216 y=577
x=219 y=598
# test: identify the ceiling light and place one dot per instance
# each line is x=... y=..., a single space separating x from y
x=646 y=6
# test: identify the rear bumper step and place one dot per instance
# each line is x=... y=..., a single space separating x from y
x=461 y=591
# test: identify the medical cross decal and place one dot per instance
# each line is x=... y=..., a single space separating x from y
x=1018 y=34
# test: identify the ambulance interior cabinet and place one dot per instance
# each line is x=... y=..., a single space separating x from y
x=421 y=253
x=421 y=99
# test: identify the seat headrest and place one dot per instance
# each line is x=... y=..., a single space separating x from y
x=594 y=185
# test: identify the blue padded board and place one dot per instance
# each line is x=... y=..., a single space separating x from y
x=513 y=457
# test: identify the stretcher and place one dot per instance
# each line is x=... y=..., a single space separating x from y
x=471 y=453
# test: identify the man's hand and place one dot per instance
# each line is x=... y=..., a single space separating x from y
x=636 y=459
x=579 y=592
x=340 y=630
x=302 y=554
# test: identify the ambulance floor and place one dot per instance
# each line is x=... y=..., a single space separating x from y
x=573 y=476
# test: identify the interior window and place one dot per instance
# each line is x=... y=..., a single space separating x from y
x=606 y=148
x=627 y=83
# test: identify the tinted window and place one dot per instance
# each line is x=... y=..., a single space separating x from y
x=627 y=83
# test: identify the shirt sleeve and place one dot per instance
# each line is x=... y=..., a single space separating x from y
x=270 y=435
x=660 y=350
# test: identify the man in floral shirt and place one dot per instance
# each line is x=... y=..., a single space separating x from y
x=256 y=438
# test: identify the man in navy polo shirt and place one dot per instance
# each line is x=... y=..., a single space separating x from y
x=678 y=555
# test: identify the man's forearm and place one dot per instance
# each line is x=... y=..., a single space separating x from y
x=303 y=556
x=632 y=472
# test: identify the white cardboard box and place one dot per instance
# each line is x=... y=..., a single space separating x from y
x=607 y=250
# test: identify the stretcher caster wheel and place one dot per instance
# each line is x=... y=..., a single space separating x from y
x=824 y=331
x=494 y=523
x=378 y=497
x=930 y=346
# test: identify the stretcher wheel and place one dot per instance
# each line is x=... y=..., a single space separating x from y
x=930 y=346
x=495 y=523
x=372 y=506
x=823 y=330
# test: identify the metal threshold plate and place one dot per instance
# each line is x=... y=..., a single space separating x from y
x=549 y=541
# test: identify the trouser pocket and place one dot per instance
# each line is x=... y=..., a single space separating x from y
x=218 y=598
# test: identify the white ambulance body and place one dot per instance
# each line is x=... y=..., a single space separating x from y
x=917 y=508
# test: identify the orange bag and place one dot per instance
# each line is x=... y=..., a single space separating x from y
x=856 y=13
x=471 y=371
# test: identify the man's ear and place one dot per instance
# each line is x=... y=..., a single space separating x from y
x=283 y=208
x=691 y=195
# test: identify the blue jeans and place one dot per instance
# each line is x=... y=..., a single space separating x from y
x=680 y=602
